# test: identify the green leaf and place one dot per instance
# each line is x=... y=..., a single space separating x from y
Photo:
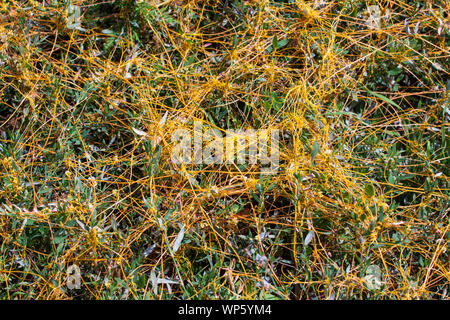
x=235 y=41
x=385 y=99
x=315 y=150
x=59 y=239
x=282 y=43
x=108 y=31
x=369 y=190
x=275 y=43
x=178 y=240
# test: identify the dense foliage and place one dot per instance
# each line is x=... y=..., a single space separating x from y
x=91 y=92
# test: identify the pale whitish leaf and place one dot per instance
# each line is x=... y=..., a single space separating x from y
x=81 y=224
x=74 y=18
x=139 y=132
x=373 y=283
x=416 y=29
x=127 y=67
x=439 y=31
x=125 y=294
x=180 y=237
x=438 y=66
x=309 y=237
x=261 y=260
x=308 y=177
x=167 y=281
x=266 y=283
x=406 y=23
x=88 y=157
x=28 y=184
x=319 y=3
x=154 y=282
x=107 y=31
x=73 y=26
x=373 y=269
x=374 y=19
x=164 y=118
x=5 y=210
x=373 y=277
x=149 y=250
